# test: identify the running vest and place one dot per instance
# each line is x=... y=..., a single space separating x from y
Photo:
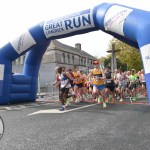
x=108 y=77
x=97 y=74
x=64 y=81
x=77 y=77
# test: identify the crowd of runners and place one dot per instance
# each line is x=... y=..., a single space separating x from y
x=100 y=85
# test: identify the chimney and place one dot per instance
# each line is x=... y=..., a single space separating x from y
x=78 y=46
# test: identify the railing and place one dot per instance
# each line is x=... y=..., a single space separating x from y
x=52 y=91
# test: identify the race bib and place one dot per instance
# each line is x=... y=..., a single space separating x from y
x=108 y=81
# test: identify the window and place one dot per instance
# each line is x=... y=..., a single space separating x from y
x=72 y=59
x=63 y=58
x=68 y=58
x=81 y=61
x=84 y=62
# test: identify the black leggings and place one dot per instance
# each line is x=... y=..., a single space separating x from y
x=63 y=95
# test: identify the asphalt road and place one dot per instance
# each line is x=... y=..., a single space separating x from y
x=86 y=126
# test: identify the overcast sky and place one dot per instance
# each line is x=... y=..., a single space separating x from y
x=19 y=15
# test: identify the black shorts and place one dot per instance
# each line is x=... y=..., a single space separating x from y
x=71 y=82
x=64 y=90
x=133 y=86
x=110 y=86
x=128 y=83
x=80 y=85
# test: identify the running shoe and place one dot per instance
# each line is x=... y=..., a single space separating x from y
x=104 y=105
x=121 y=100
x=63 y=108
x=133 y=99
x=98 y=99
x=77 y=100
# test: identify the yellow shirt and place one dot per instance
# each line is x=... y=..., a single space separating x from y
x=97 y=73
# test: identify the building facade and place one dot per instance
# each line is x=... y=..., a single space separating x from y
x=58 y=54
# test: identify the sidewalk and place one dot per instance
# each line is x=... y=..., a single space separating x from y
x=45 y=98
x=53 y=99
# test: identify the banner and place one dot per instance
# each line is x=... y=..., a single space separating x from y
x=115 y=18
x=145 y=53
x=23 y=42
x=67 y=24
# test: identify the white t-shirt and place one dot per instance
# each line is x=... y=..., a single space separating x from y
x=121 y=79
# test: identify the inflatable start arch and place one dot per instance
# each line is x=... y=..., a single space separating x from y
x=127 y=24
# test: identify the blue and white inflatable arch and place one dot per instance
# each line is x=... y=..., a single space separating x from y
x=127 y=24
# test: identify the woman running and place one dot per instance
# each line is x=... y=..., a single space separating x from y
x=98 y=82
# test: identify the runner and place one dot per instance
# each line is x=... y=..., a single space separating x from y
x=122 y=84
x=98 y=82
x=90 y=84
x=127 y=90
x=78 y=91
x=71 y=90
x=64 y=86
x=84 y=82
x=143 y=82
x=110 y=85
x=133 y=85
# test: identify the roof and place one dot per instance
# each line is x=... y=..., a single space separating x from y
x=55 y=44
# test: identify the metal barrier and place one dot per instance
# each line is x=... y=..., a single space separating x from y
x=52 y=91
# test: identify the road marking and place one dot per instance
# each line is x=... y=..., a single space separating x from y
x=7 y=108
x=57 y=111
x=20 y=107
x=79 y=108
x=52 y=111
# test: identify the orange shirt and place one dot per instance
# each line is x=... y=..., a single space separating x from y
x=77 y=78
x=84 y=80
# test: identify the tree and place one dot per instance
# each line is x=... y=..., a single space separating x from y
x=128 y=56
x=107 y=62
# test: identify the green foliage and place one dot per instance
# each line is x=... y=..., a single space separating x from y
x=107 y=62
x=127 y=58
x=128 y=55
